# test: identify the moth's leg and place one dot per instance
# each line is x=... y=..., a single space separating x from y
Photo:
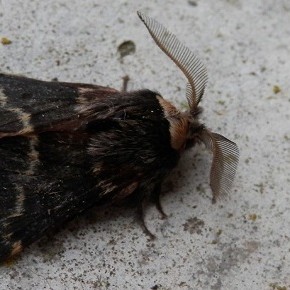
x=140 y=199
x=137 y=200
x=125 y=83
x=141 y=210
x=156 y=199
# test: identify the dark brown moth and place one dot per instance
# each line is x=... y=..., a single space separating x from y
x=65 y=147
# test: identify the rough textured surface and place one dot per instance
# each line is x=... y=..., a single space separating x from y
x=240 y=243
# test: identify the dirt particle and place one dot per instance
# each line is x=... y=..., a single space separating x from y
x=193 y=225
x=276 y=89
x=192 y=3
x=126 y=48
x=275 y=286
x=252 y=217
x=5 y=41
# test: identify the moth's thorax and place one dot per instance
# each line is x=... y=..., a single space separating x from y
x=181 y=125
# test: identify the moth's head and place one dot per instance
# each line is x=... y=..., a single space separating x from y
x=185 y=128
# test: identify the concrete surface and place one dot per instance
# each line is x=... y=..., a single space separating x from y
x=242 y=242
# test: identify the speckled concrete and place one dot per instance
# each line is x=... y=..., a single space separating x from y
x=242 y=242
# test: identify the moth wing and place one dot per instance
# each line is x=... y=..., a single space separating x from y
x=31 y=106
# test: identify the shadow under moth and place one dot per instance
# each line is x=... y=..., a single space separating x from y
x=66 y=147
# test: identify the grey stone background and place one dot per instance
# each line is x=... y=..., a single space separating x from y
x=243 y=242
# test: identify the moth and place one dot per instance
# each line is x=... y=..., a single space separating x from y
x=66 y=147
